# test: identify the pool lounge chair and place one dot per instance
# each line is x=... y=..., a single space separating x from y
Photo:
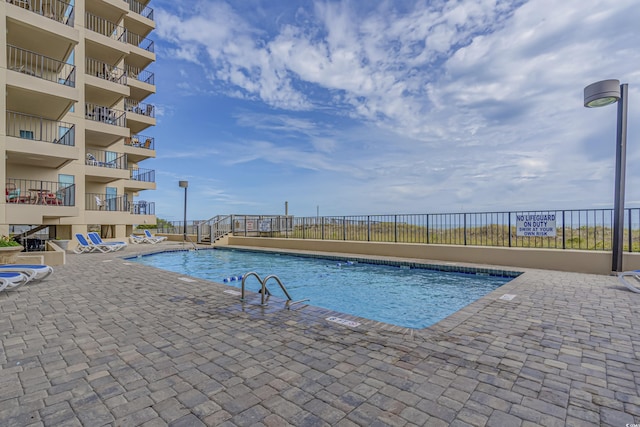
x=137 y=239
x=32 y=271
x=153 y=239
x=84 y=246
x=97 y=240
x=631 y=279
x=11 y=279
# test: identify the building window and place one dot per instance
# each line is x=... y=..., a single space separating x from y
x=66 y=193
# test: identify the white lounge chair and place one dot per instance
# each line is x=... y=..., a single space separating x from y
x=32 y=271
x=631 y=279
x=137 y=239
x=97 y=240
x=84 y=246
x=12 y=280
x=153 y=239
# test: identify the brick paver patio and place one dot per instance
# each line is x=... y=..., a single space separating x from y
x=105 y=341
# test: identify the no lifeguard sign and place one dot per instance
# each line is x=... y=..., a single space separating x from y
x=536 y=225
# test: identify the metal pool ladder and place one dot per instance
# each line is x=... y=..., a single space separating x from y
x=265 y=294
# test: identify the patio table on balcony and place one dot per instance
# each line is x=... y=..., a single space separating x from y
x=44 y=197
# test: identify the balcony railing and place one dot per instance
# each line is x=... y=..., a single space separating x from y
x=106 y=202
x=139 y=107
x=140 y=9
x=58 y=10
x=143 y=175
x=106 y=159
x=100 y=113
x=35 y=192
x=143 y=208
x=40 y=129
x=105 y=71
x=43 y=67
x=141 y=42
x=106 y=28
x=141 y=75
x=140 y=141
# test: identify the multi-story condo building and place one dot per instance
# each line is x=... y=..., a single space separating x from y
x=72 y=130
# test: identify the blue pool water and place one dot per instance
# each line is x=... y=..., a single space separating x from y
x=399 y=295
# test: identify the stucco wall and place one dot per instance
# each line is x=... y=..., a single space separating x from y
x=594 y=262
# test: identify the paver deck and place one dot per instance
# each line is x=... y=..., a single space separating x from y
x=105 y=341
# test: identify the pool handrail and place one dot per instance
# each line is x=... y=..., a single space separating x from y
x=265 y=294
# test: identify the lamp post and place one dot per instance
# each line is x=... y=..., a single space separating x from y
x=600 y=94
x=184 y=184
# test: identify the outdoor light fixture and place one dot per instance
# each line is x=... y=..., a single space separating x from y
x=184 y=184
x=599 y=94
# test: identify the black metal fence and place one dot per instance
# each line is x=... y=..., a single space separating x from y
x=587 y=229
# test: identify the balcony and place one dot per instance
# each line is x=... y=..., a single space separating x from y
x=28 y=30
x=34 y=139
x=105 y=39
x=139 y=147
x=141 y=82
x=143 y=175
x=140 y=42
x=104 y=71
x=36 y=65
x=99 y=25
x=105 y=84
x=141 y=52
x=106 y=115
x=141 y=75
x=140 y=108
x=139 y=115
x=141 y=179
x=141 y=9
x=106 y=159
x=104 y=125
x=57 y=10
x=38 y=84
x=143 y=207
x=36 y=128
x=107 y=203
x=36 y=192
x=107 y=166
x=139 y=20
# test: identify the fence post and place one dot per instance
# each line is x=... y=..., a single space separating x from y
x=322 y=228
x=464 y=216
x=564 y=234
x=395 y=228
x=344 y=228
x=368 y=228
x=427 y=229
x=630 y=239
x=509 y=228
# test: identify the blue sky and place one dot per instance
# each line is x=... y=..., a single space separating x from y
x=354 y=107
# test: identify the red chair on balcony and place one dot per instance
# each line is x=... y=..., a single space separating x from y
x=52 y=199
x=14 y=194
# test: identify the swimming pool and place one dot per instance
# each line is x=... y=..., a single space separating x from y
x=397 y=294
